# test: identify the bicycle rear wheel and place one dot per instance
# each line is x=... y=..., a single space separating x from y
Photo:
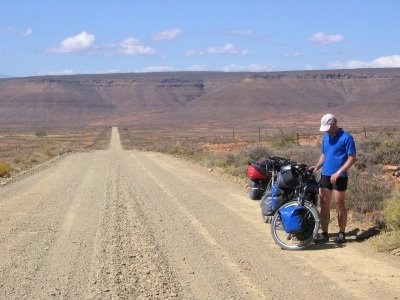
x=300 y=240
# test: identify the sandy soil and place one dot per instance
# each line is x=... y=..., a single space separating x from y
x=119 y=224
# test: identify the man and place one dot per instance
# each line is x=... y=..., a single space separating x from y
x=338 y=155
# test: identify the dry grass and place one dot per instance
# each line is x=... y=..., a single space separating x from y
x=369 y=186
x=228 y=150
x=24 y=148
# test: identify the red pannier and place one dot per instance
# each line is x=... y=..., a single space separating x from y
x=258 y=171
x=259 y=176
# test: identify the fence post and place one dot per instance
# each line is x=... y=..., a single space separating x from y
x=365 y=132
x=259 y=134
x=298 y=139
x=233 y=134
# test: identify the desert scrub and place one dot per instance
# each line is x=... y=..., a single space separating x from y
x=249 y=153
x=48 y=152
x=367 y=191
x=392 y=211
x=180 y=150
x=387 y=241
x=209 y=160
x=383 y=149
x=391 y=238
x=4 y=168
x=17 y=160
x=283 y=139
x=40 y=133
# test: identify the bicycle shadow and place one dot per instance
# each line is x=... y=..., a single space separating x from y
x=351 y=237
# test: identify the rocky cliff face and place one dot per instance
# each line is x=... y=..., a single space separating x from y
x=372 y=95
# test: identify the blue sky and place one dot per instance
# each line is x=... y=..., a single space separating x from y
x=40 y=37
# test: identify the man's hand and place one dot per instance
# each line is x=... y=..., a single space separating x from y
x=335 y=177
x=314 y=168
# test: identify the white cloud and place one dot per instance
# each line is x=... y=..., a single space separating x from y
x=134 y=47
x=227 y=49
x=238 y=32
x=195 y=53
x=392 y=61
x=64 y=72
x=325 y=39
x=7 y=30
x=78 y=43
x=197 y=68
x=308 y=67
x=247 y=68
x=167 y=35
x=27 y=31
x=156 y=69
x=293 y=54
x=13 y=31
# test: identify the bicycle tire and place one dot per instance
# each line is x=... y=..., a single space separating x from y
x=296 y=241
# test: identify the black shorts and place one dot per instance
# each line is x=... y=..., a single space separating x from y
x=341 y=183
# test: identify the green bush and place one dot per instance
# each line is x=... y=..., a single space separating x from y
x=387 y=241
x=392 y=211
x=284 y=139
x=303 y=154
x=383 y=149
x=40 y=133
x=209 y=160
x=256 y=153
x=367 y=191
x=49 y=152
x=181 y=150
x=4 y=168
x=17 y=160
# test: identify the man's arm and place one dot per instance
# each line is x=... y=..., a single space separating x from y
x=349 y=162
x=319 y=164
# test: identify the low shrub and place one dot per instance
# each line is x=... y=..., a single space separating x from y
x=4 y=168
x=367 y=191
x=209 y=160
x=40 y=133
x=48 y=152
x=383 y=149
x=303 y=154
x=257 y=152
x=392 y=211
x=387 y=241
x=181 y=150
x=284 y=139
x=17 y=160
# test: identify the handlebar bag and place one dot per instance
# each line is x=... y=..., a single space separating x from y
x=287 y=178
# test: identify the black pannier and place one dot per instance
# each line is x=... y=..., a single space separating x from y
x=272 y=200
x=257 y=188
x=287 y=178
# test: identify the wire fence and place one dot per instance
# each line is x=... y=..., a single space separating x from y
x=262 y=134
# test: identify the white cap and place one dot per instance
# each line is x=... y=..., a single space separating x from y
x=326 y=122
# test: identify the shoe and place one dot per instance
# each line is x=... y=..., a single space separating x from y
x=340 y=239
x=322 y=238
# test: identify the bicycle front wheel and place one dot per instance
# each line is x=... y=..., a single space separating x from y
x=302 y=239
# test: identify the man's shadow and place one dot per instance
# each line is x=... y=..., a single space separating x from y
x=351 y=237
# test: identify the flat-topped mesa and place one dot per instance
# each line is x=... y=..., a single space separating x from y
x=244 y=98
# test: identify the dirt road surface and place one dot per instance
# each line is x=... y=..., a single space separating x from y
x=119 y=224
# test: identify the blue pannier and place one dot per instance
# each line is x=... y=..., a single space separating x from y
x=292 y=218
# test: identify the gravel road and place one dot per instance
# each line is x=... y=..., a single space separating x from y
x=119 y=224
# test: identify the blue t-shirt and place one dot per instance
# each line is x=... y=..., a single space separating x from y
x=336 y=150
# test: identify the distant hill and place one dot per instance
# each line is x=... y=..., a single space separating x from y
x=363 y=96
